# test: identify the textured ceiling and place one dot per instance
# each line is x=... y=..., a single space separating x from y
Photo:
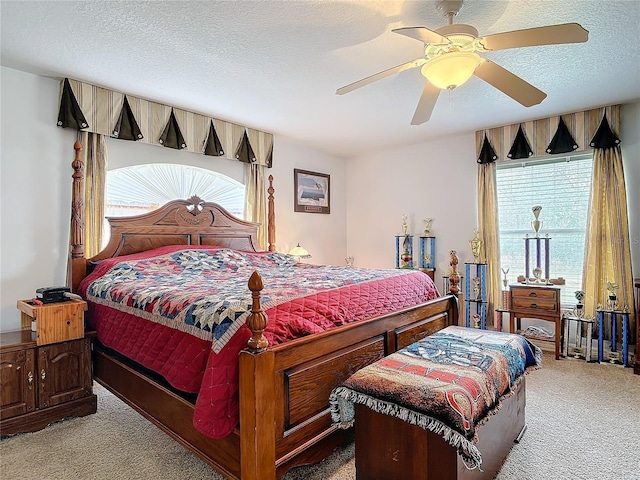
x=275 y=65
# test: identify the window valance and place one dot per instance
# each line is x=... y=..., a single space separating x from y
x=543 y=134
x=95 y=109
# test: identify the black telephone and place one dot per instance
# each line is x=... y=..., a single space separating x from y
x=52 y=294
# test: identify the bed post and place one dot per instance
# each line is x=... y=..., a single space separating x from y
x=454 y=280
x=258 y=399
x=271 y=217
x=257 y=320
x=78 y=267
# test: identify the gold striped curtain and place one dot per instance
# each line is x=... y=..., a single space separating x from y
x=490 y=233
x=608 y=247
x=94 y=153
x=255 y=203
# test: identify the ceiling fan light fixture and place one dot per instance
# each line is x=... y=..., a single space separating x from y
x=450 y=70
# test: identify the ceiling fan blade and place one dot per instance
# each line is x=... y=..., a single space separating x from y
x=425 y=104
x=421 y=33
x=549 y=35
x=509 y=84
x=380 y=75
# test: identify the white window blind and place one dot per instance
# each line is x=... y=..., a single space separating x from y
x=141 y=189
x=561 y=186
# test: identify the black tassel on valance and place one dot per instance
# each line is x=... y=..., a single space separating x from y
x=212 y=144
x=520 y=147
x=127 y=127
x=70 y=114
x=487 y=153
x=604 y=137
x=172 y=136
x=562 y=141
x=244 y=152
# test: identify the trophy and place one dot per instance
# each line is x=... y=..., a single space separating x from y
x=612 y=302
x=349 y=260
x=476 y=287
x=475 y=243
x=505 y=282
x=404 y=224
x=427 y=227
x=537 y=273
x=536 y=224
x=578 y=310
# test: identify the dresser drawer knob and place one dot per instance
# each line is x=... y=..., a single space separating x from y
x=533 y=294
x=534 y=305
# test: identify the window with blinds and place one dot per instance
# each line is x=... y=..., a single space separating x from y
x=561 y=186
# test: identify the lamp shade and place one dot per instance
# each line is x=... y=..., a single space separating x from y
x=299 y=252
x=450 y=70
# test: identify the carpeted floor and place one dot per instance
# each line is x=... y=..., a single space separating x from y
x=583 y=424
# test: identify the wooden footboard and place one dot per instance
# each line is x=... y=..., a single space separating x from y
x=284 y=390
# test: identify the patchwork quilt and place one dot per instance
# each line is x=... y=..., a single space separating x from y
x=180 y=311
x=448 y=383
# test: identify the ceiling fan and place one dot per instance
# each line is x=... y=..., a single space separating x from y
x=450 y=59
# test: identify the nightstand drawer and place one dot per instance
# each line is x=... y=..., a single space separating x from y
x=534 y=293
x=542 y=305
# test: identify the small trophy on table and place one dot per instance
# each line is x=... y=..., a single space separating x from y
x=505 y=282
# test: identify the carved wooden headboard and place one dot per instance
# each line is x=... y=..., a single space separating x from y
x=179 y=222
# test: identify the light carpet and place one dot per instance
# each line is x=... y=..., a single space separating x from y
x=583 y=424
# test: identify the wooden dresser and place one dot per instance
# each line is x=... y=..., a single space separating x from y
x=536 y=301
x=45 y=374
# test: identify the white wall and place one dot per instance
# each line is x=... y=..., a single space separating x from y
x=35 y=193
x=431 y=180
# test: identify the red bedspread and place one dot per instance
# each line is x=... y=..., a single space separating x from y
x=182 y=347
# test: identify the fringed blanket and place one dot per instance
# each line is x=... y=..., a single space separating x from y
x=448 y=383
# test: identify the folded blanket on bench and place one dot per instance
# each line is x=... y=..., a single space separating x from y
x=448 y=383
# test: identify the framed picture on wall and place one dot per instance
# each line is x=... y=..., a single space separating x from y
x=311 y=192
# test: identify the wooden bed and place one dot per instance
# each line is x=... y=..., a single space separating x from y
x=284 y=389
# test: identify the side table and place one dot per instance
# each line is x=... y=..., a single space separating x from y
x=577 y=350
x=614 y=355
x=536 y=301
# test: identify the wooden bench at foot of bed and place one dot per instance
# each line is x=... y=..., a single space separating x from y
x=407 y=451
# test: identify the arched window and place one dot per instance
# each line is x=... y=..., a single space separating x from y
x=143 y=188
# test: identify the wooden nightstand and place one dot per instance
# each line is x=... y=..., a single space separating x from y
x=536 y=301
x=45 y=377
